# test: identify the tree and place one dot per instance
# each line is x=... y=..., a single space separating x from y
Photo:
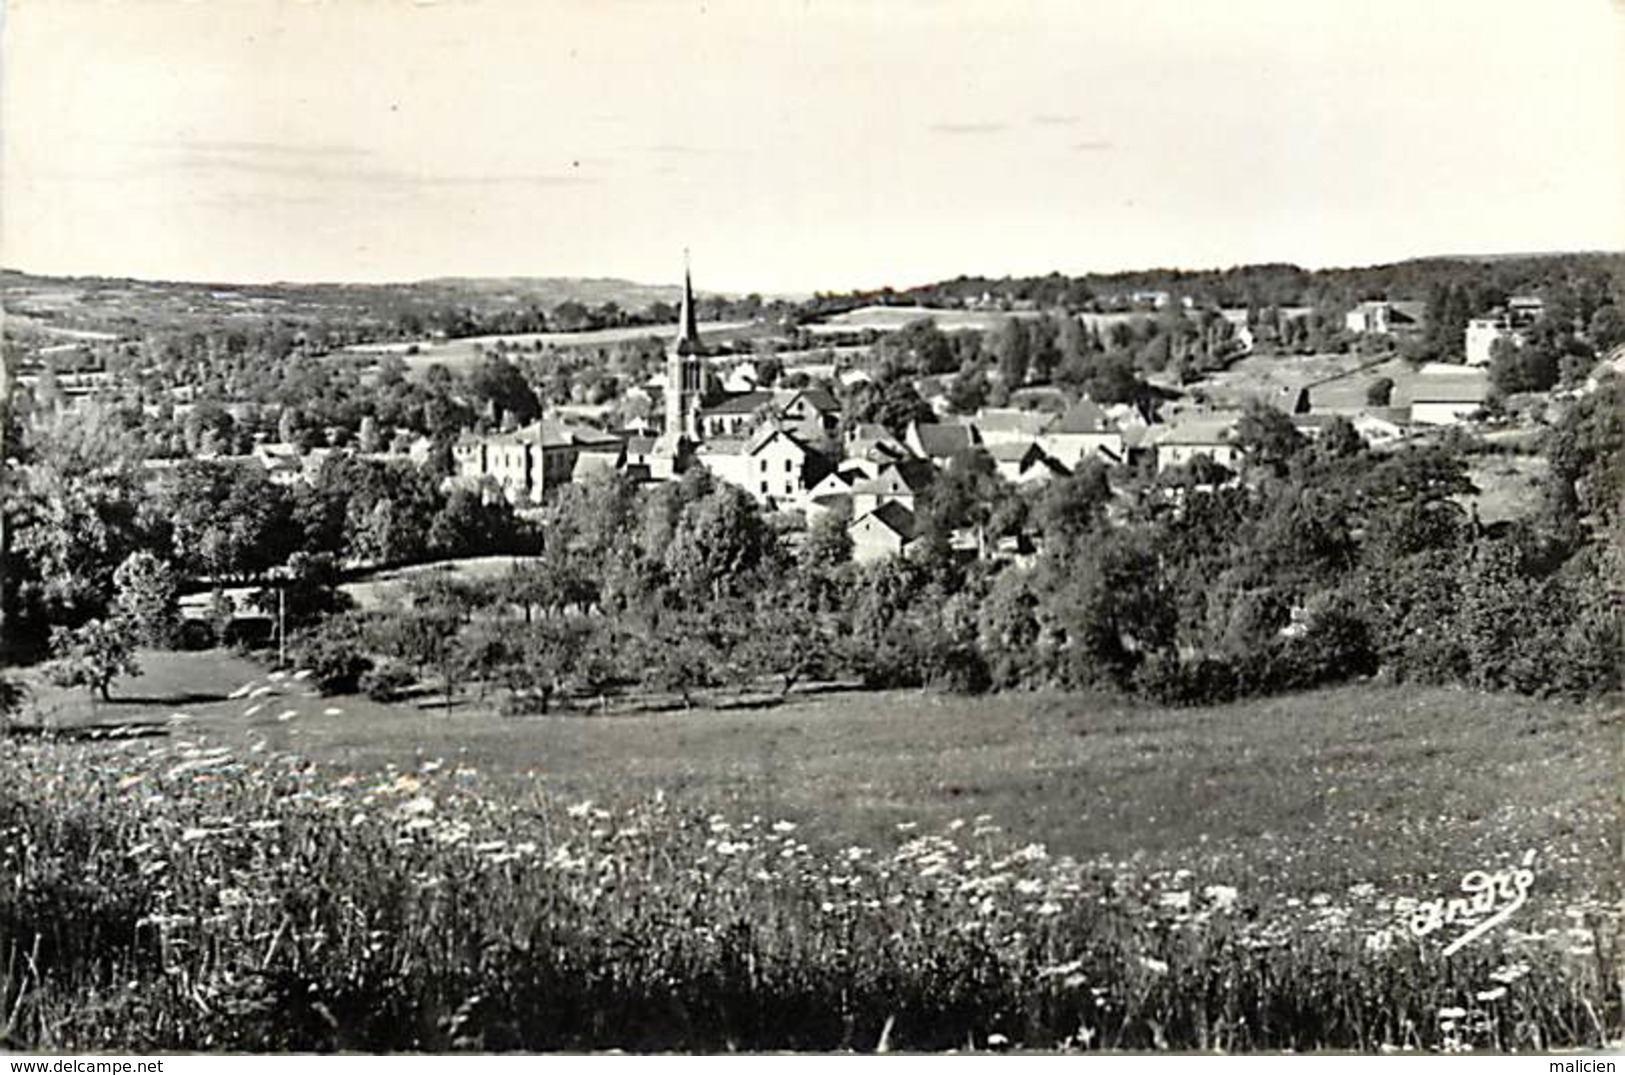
x=93 y=655
x=789 y=637
x=547 y=656
x=1267 y=437
x=1011 y=344
x=967 y=392
x=228 y=520
x=147 y=595
x=1379 y=392
x=719 y=542
x=367 y=439
x=498 y=383
x=1607 y=328
x=829 y=542
x=1073 y=506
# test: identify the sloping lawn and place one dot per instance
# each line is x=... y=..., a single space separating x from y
x=1389 y=785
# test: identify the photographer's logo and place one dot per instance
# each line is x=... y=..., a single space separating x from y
x=1487 y=900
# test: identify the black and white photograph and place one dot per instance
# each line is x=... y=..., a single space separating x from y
x=701 y=527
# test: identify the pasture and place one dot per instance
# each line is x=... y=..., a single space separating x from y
x=1386 y=785
x=458 y=355
x=269 y=870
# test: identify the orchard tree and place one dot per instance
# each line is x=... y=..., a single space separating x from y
x=93 y=655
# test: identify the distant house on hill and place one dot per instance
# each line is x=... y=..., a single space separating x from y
x=882 y=532
x=1384 y=318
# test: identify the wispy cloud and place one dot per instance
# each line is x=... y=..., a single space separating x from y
x=968 y=128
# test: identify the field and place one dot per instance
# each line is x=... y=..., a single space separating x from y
x=459 y=354
x=1101 y=850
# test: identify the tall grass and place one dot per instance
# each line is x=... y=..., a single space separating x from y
x=180 y=897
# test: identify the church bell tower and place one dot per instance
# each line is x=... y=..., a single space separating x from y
x=685 y=369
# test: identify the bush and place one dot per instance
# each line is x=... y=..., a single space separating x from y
x=335 y=656
x=386 y=681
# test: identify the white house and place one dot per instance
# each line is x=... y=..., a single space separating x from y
x=774 y=466
x=1192 y=435
x=882 y=532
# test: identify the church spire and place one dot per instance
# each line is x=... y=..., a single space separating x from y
x=688 y=329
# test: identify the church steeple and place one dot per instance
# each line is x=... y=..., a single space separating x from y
x=688 y=329
x=685 y=368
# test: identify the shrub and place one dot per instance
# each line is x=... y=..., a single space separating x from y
x=335 y=655
x=386 y=681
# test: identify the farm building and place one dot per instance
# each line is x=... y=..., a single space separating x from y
x=1444 y=394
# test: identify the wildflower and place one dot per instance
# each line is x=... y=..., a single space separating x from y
x=580 y=809
x=907 y=826
x=1049 y=909
x=1447 y=1014
x=784 y=826
x=1176 y=901
x=1509 y=973
x=1221 y=897
x=1031 y=853
x=423 y=804
x=1493 y=994
x=956 y=824
x=1155 y=966
x=1028 y=887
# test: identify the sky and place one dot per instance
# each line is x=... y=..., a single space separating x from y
x=799 y=145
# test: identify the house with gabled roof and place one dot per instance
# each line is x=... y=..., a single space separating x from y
x=940 y=441
x=773 y=465
x=1084 y=432
x=1444 y=394
x=874 y=443
x=813 y=414
x=903 y=482
x=524 y=463
x=1006 y=425
x=1197 y=433
x=1023 y=464
x=884 y=531
x=736 y=416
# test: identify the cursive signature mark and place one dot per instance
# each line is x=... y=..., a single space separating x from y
x=1487 y=900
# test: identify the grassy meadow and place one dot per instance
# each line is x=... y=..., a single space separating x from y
x=846 y=870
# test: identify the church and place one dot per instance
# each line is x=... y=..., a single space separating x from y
x=775 y=452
